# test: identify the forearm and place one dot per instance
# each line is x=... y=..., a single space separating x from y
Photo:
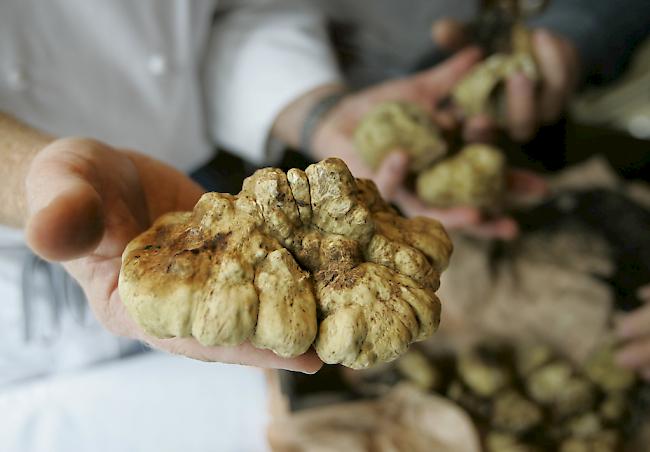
x=290 y=122
x=19 y=144
x=262 y=57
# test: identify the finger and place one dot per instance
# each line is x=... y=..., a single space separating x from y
x=521 y=115
x=454 y=218
x=391 y=173
x=66 y=212
x=439 y=80
x=450 y=34
x=527 y=183
x=117 y=320
x=643 y=293
x=554 y=74
x=635 y=355
x=245 y=354
x=503 y=228
x=480 y=129
x=635 y=324
x=457 y=217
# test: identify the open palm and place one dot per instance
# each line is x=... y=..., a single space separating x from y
x=86 y=202
x=427 y=89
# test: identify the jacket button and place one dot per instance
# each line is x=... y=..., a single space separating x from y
x=17 y=79
x=157 y=65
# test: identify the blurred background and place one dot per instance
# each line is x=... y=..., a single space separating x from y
x=584 y=252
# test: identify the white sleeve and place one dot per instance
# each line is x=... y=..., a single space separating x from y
x=262 y=56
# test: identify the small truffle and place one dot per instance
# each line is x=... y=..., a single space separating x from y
x=481 y=90
x=482 y=372
x=474 y=177
x=546 y=383
x=418 y=370
x=399 y=126
x=514 y=413
x=503 y=442
x=604 y=372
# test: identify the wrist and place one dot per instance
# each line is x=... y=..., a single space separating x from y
x=19 y=145
x=290 y=123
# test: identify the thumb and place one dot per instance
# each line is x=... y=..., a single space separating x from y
x=458 y=217
x=450 y=34
x=439 y=80
x=643 y=293
x=391 y=173
x=526 y=183
x=66 y=217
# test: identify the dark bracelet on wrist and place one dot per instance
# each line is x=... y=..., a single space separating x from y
x=314 y=117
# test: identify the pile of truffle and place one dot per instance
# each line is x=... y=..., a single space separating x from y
x=525 y=398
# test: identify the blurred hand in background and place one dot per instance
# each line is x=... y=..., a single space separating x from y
x=634 y=330
x=529 y=105
x=334 y=138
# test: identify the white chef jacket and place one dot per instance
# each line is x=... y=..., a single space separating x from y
x=170 y=78
x=166 y=77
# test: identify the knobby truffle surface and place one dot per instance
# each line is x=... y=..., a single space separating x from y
x=399 y=126
x=314 y=257
x=475 y=176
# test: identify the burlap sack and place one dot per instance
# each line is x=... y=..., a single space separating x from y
x=405 y=419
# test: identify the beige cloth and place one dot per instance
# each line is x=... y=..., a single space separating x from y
x=405 y=419
x=541 y=288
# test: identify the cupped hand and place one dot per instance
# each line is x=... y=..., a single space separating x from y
x=634 y=330
x=334 y=138
x=334 y=135
x=528 y=104
x=86 y=201
x=520 y=184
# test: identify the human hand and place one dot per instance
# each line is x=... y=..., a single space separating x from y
x=334 y=135
x=528 y=105
x=520 y=184
x=334 y=138
x=634 y=330
x=86 y=201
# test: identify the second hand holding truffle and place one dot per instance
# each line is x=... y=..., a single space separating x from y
x=334 y=138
